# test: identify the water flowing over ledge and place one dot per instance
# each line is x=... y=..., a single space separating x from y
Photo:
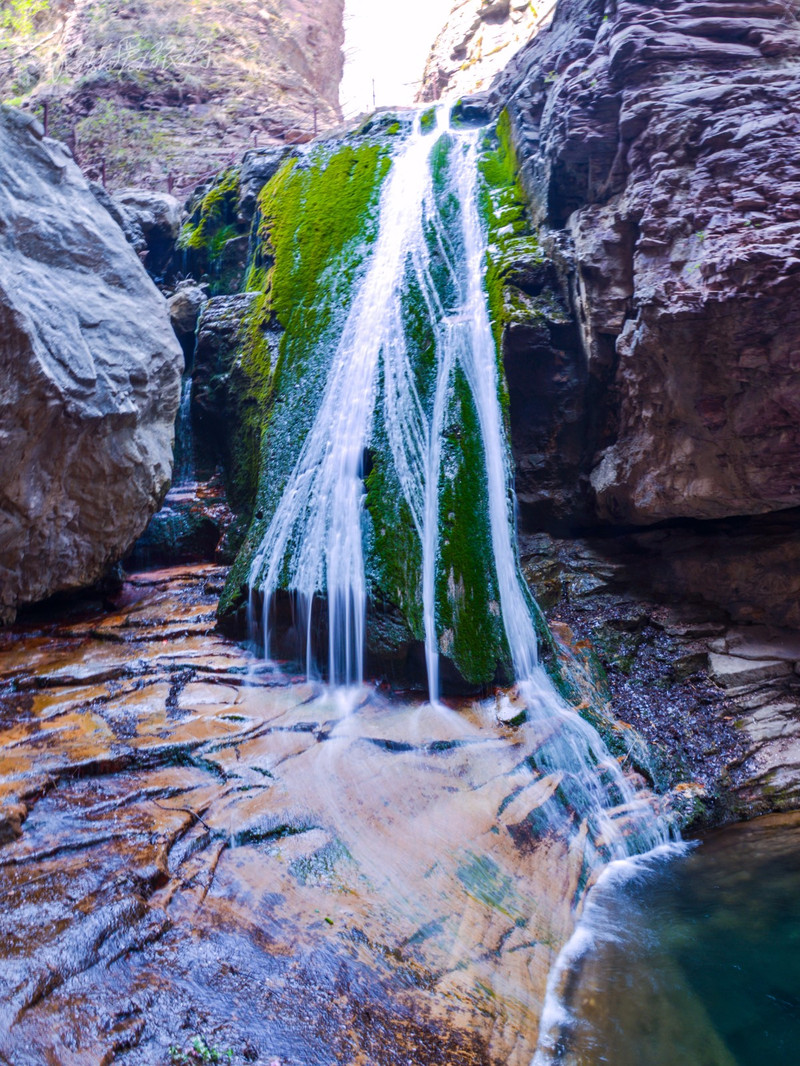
x=431 y=240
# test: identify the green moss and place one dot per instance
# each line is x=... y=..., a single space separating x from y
x=393 y=129
x=427 y=120
x=21 y=16
x=468 y=599
x=511 y=235
x=315 y=222
x=213 y=222
x=311 y=235
x=395 y=551
x=213 y=212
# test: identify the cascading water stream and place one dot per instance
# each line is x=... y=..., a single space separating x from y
x=593 y=786
x=314 y=543
x=184 y=473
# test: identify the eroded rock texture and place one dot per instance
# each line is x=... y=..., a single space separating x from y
x=477 y=41
x=89 y=377
x=159 y=93
x=192 y=846
x=659 y=142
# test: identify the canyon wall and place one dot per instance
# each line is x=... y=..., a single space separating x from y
x=657 y=142
x=478 y=40
x=157 y=93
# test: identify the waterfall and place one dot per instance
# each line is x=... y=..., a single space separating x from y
x=430 y=231
x=183 y=473
x=318 y=522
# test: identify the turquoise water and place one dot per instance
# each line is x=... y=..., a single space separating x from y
x=696 y=961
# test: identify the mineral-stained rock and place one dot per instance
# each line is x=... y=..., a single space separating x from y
x=89 y=376
x=659 y=143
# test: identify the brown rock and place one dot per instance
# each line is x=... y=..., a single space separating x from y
x=159 y=93
x=659 y=147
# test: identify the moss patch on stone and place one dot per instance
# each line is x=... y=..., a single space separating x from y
x=427 y=120
x=212 y=223
x=468 y=600
x=511 y=235
x=315 y=222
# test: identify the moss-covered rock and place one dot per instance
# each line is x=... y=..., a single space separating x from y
x=315 y=221
x=213 y=240
x=314 y=228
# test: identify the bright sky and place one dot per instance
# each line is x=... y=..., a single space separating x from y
x=387 y=42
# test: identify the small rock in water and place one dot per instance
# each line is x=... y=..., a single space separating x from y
x=510 y=708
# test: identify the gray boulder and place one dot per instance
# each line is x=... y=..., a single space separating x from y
x=185 y=306
x=152 y=223
x=89 y=377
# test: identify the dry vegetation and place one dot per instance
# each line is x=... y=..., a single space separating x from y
x=160 y=90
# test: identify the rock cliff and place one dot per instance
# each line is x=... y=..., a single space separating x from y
x=477 y=41
x=658 y=144
x=161 y=92
x=89 y=376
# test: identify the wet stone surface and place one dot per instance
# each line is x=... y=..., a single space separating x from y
x=191 y=845
x=717 y=701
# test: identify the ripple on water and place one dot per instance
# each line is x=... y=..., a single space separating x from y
x=693 y=961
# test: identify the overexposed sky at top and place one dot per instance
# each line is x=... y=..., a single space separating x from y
x=387 y=42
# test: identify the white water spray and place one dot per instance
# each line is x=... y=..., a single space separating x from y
x=314 y=541
x=313 y=545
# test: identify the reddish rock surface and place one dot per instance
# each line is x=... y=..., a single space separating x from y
x=659 y=142
x=192 y=845
x=160 y=93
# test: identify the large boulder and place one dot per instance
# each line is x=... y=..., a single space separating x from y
x=658 y=143
x=89 y=376
x=151 y=222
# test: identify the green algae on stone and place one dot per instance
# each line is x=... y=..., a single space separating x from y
x=312 y=232
x=505 y=210
x=213 y=222
x=467 y=596
x=427 y=120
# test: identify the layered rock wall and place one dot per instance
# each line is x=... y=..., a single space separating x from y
x=658 y=142
x=89 y=376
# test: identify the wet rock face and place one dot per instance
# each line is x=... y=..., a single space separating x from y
x=189 y=845
x=658 y=142
x=89 y=377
